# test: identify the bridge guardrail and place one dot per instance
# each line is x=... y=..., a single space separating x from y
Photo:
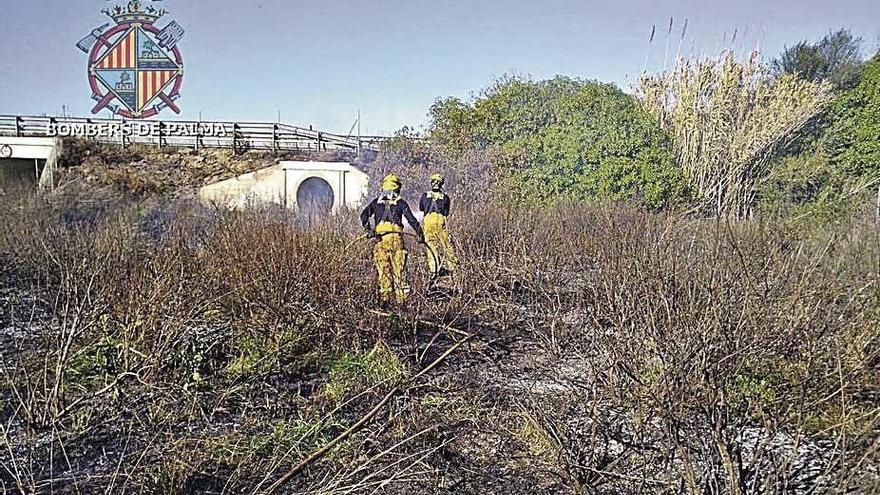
x=239 y=136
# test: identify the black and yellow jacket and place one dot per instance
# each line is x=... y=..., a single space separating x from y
x=392 y=209
x=435 y=201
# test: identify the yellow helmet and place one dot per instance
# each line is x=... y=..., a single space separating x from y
x=391 y=182
x=438 y=178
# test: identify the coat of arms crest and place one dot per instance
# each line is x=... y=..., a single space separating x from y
x=135 y=68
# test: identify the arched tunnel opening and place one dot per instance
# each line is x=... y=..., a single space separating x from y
x=314 y=197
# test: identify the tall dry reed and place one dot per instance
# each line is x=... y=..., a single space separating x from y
x=726 y=118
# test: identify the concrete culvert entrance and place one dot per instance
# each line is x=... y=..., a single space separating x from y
x=16 y=172
x=314 y=196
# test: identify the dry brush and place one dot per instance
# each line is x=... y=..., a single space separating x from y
x=166 y=347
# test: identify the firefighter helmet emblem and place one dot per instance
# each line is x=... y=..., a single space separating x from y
x=135 y=68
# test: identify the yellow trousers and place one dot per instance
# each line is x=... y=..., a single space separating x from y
x=440 y=253
x=389 y=255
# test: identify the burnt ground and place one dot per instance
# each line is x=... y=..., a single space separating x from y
x=508 y=412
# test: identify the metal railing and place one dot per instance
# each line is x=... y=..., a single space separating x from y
x=238 y=136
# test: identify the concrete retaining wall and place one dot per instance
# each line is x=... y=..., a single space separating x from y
x=280 y=183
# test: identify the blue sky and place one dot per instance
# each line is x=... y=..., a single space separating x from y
x=319 y=62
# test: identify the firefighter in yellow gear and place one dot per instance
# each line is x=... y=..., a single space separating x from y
x=435 y=205
x=389 y=254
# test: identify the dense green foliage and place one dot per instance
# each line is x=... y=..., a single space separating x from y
x=837 y=163
x=854 y=135
x=564 y=138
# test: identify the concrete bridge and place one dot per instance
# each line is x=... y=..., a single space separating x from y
x=30 y=146
x=238 y=136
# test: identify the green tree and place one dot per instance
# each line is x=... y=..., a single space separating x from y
x=563 y=137
x=456 y=134
x=854 y=135
x=835 y=169
x=836 y=58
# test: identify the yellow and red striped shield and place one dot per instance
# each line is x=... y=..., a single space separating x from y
x=150 y=83
x=123 y=55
